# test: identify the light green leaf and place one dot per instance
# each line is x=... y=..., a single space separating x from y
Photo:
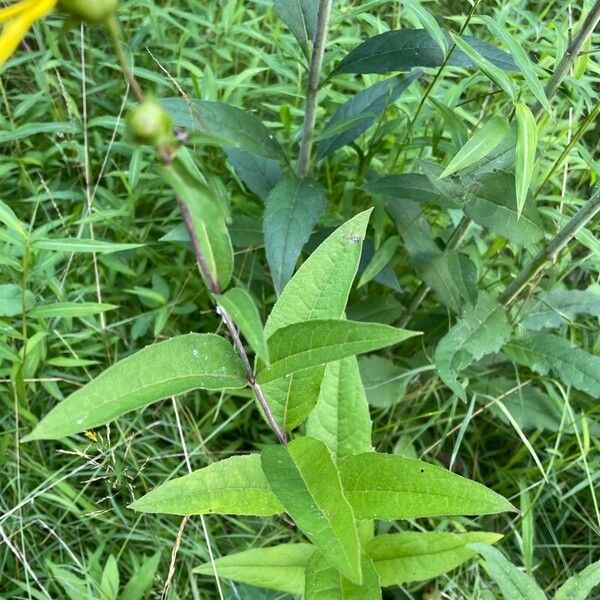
x=142 y=579
x=236 y=485
x=73 y=587
x=240 y=305
x=324 y=582
x=306 y=481
x=81 y=245
x=454 y=122
x=12 y=300
x=428 y=23
x=292 y=209
x=580 y=585
x=341 y=417
x=312 y=343
x=497 y=75
x=68 y=309
x=417 y=556
x=279 y=568
x=169 y=368
x=514 y=584
x=389 y=487
x=484 y=141
x=380 y=259
x=521 y=58
x=109 y=583
x=318 y=290
x=10 y=219
x=545 y=352
x=482 y=330
x=207 y=219
x=527 y=137
x=383 y=381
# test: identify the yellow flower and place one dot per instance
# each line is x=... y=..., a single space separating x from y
x=18 y=18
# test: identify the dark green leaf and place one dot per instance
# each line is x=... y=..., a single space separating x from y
x=260 y=174
x=300 y=16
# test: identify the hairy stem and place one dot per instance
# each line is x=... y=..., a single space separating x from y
x=314 y=78
x=548 y=255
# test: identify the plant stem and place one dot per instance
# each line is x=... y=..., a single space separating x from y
x=570 y=55
x=577 y=222
x=114 y=30
x=314 y=77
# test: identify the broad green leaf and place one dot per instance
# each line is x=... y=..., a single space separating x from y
x=483 y=329
x=341 y=417
x=490 y=203
x=318 y=290
x=514 y=584
x=389 y=487
x=300 y=16
x=81 y=245
x=10 y=219
x=408 y=186
x=559 y=307
x=545 y=352
x=479 y=145
x=418 y=556
x=68 y=309
x=176 y=366
x=241 y=129
x=142 y=579
x=521 y=58
x=361 y=111
x=240 y=305
x=527 y=137
x=404 y=49
x=306 y=481
x=450 y=275
x=260 y=174
x=383 y=381
x=72 y=586
x=325 y=582
x=292 y=209
x=278 y=568
x=380 y=259
x=580 y=585
x=109 y=583
x=497 y=75
x=13 y=301
x=429 y=23
x=207 y=219
x=312 y=343
x=236 y=485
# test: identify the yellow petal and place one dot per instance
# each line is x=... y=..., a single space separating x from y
x=14 y=31
x=14 y=10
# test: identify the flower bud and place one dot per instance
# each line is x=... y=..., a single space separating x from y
x=149 y=123
x=92 y=12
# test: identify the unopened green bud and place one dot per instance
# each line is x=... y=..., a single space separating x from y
x=92 y=12
x=149 y=123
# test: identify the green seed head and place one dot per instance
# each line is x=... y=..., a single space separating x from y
x=92 y=12
x=149 y=123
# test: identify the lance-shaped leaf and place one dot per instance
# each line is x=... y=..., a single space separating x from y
x=580 y=585
x=513 y=583
x=304 y=345
x=388 y=486
x=206 y=218
x=318 y=290
x=260 y=174
x=545 y=352
x=169 y=368
x=239 y=304
x=325 y=582
x=482 y=330
x=81 y=245
x=380 y=259
x=233 y=486
x=142 y=580
x=404 y=49
x=237 y=128
x=527 y=137
x=279 y=568
x=341 y=417
x=429 y=23
x=418 y=556
x=306 y=481
x=361 y=111
x=292 y=209
x=300 y=16
x=68 y=309
x=483 y=141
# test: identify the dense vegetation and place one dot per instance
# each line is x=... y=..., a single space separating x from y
x=473 y=173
